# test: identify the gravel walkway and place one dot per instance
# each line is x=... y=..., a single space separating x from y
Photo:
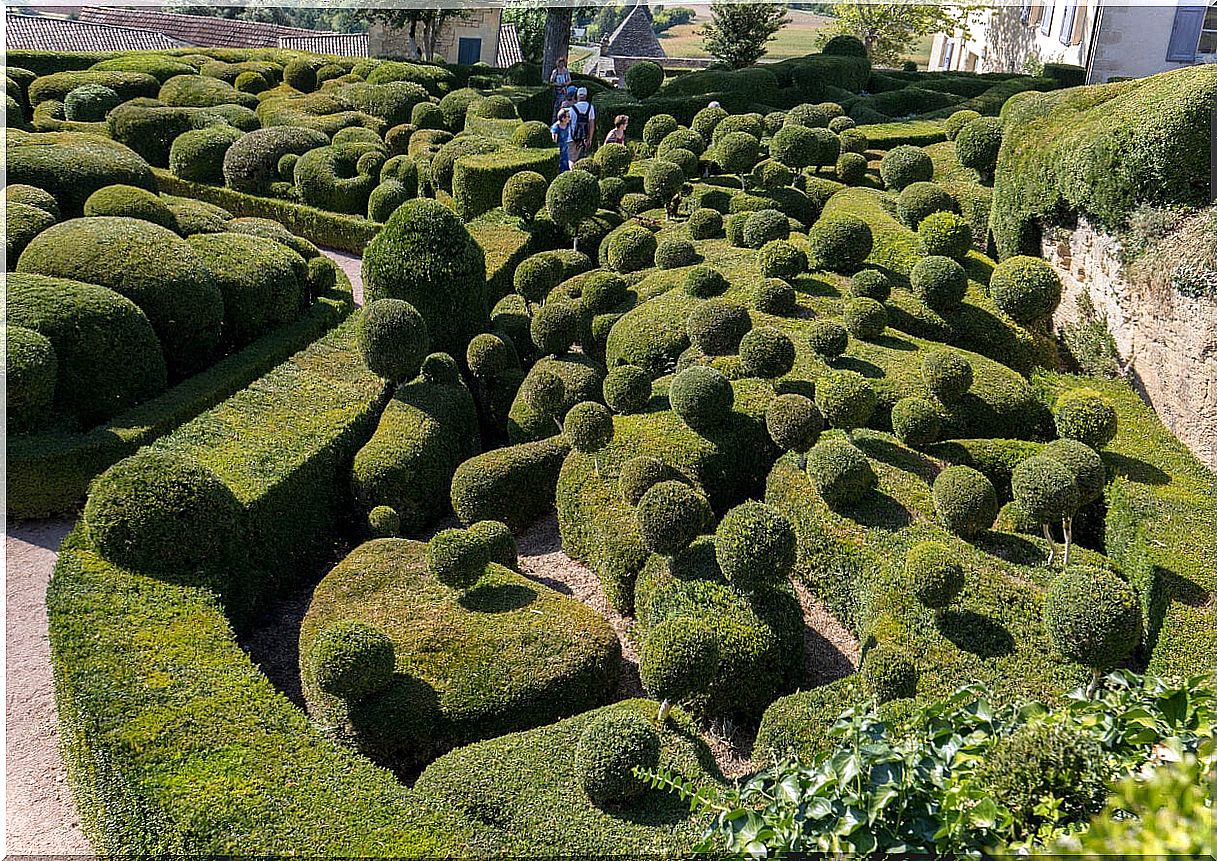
x=351 y=264
x=41 y=816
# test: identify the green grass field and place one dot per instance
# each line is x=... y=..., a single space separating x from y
x=794 y=40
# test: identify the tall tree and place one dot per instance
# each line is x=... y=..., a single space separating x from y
x=738 y=32
x=557 y=37
x=891 y=30
x=529 y=16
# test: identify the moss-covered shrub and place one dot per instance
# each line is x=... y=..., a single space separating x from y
x=775 y=296
x=702 y=398
x=957 y=121
x=939 y=282
x=755 y=547
x=767 y=353
x=1093 y=617
x=904 y=165
x=351 y=660
x=840 y=472
x=251 y=82
x=977 y=145
x=965 y=500
x=840 y=242
x=846 y=399
x=933 y=574
x=140 y=509
x=945 y=234
x=457 y=558
x=427 y=257
x=679 y=659
x=854 y=141
x=865 y=319
x=627 y=389
x=71 y=166
x=514 y=485
x=716 y=326
x=198 y=155
x=916 y=422
x=947 y=374
x=828 y=339
x=384 y=522
x=57 y=86
x=28 y=195
x=888 y=674
x=90 y=103
x=30 y=375
x=251 y=163
x=704 y=282
x=918 y=200
x=1085 y=415
x=779 y=258
x=676 y=253
x=1026 y=288
x=130 y=202
x=794 y=423
x=260 y=280
x=629 y=248
x=670 y=515
x=22 y=223
x=616 y=742
x=705 y=223
x=393 y=339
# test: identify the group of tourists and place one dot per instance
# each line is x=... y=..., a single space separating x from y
x=574 y=127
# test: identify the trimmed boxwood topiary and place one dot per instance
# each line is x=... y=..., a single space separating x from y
x=865 y=319
x=705 y=223
x=737 y=152
x=385 y=198
x=131 y=202
x=904 y=165
x=752 y=124
x=704 y=282
x=1085 y=415
x=629 y=248
x=71 y=166
x=1045 y=489
x=854 y=141
x=840 y=472
x=840 y=242
x=716 y=326
x=851 y=168
x=662 y=180
x=603 y=291
x=198 y=155
x=794 y=146
x=775 y=296
x=90 y=103
x=640 y=474
x=945 y=234
x=755 y=547
x=839 y=124
x=670 y=515
x=918 y=200
x=251 y=82
x=251 y=164
x=31 y=372
x=681 y=138
x=676 y=253
x=614 y=159
x=870 y=284
x=947 y=374
x=779 y=258
x=22 y=223
x=1026 y=288
x=393 y=339
x=352 y=660
x=555 y=328
x=514 y=484
x=337 y=178
x=766 y=352
x=457 y=558
x=678 y=661
x=499 y=541
x=657 y=128
x=614 y=743
x=828 y=339
x=977 y=144
x=808 y=116
x=794 y=423
x=627 y=389
x=764 y=226
x=536 y=276
x=1093 y=618
x=916 y=422
x=965 y=500
x=939 y=282
x=888 y=674
x=140 y=510
x=957 y=121
x=426 y=256
x=706 y=119
x=384 y=522
x=30 y=196
x=589 y=427
x=1085 y=463
x=846 y=399
x=935 y=577
x=491 y=355
x=702 y=398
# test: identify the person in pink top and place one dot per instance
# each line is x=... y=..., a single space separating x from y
x=617 y=132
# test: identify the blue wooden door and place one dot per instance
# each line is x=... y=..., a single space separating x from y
x=468 y=51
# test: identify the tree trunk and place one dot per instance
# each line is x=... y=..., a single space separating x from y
x=664 y=707
x=1067 y=528
x=557 y=38
x=1051 y=545
x=1096 y=679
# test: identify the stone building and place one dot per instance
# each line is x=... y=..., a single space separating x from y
x=471 y=37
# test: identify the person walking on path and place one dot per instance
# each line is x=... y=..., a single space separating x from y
x=617 y=132
x=561 y=132
x=560 y=79
x=584 y=132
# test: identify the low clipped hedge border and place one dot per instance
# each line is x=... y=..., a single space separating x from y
x=49 y=474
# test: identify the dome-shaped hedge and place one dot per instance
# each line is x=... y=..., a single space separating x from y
x=716 y=326
x=965 y=500
x=775 y=296
x=385 y=198
x=30 y=375
x=702 y=397
x=919 y=200
x=766 y=352
x=915 y=422
x=640 y=474
x=71 y=166
x=22 y=223
x=977 y=144
x=945 y=234
x=603 y=291
x=681 y=138
x=755 y=547
x=629 y=248
x=846 y=399
x=676 y=253
x=393 y=339
x=794 y=146
x=870 y=284
x=779 y=258
x=1093 y=617
x=662 y=180
x=828 y=339
x=425 y=255
x=764 y=226
x=336 y=178
x=616 y=742
x=555 y=328
x=851 y=168
x=704 y=282
x=670 y=515
x=1085 y=464
x=888 y=674
x=1026 y=288
x=352 y=660
x=705 y=223
x=90 y=103
x=934 y=575
x=536 y=276
x=499 y=541
x=1085 y=415
x=457 y=558
x=131 y=202
x=865 y=319
x=614 y=159
x=627 y=389
x=794 y=422
x=737 y=152
x=904 y=165
x=706 y=119
x=840 y=242
x=840 y=472
x=589 y=426
x=251 y=164
x=198 y=155
x=947 y=374
x=384 y=522
x=490 y=355
x=957 y=121
x=939 y=282
x=679 y=659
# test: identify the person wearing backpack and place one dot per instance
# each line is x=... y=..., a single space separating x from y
x=583 y=129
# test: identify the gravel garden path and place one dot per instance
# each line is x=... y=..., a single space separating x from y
x=351 y=264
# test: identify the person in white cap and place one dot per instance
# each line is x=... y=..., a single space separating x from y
x=714 y=105
x=583 y=131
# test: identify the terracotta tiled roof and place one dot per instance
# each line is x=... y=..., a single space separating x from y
x=34 y=33
x=200 y=30
x=510 y=52
x=335 y=44
x=635 y=36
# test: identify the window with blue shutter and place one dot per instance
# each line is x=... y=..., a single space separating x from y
x=1046 y=23
x=1024 y=16
x=1071 y=9
x=1185 y=34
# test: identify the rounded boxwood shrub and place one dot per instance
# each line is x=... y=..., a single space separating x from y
x=131 y=202
x=536 y=276
x=1045 y=489
x=808 y=116
x=870 y=284
x=322 y=275
x=716 y=326
x=795 y=146
x=828 y=339
x=32 y=369
x=851 y=168
x=977 y=144
x=603 y=291
x=251 y=164
x=338 y=178
x=681 y=138
x=750 y=124
x=352 y=660
x=489 y=355
x=662 y=180
x=555 y=327
x=384 y=522
x=779 y=258
x=198 y=155
x=684 y=159
x=543 y=391
x=386 y=198
x=675 y=253
x=766 y=352
x=755 y=547
x=22 y=223
x=888 y=674
x=702 y=397
x=140 y=510
x=629 y=248
x=965 y=500
x=393 y=339
x=939 y=282
x=947 y=374
x=262 y=282
x=635 y=203
x=457 y=558
x=934 y=575
x=706 y=119
x=300 y=75
x=772 y=175
x=764 y=226
x=957 y=121
x=794 y=423
x=840 y=242
x=90 y=103
x=916 y=422
x=844 y=46
x=403 y=169
x=614 y=159
x=251 y=82
x=839 y=124
x=589 y=426
x=775 y=296
x=854 y=141
x=1086 y=416
x=612 y=191
x=670 y=515
x=846 y=399
x=705 y=282
x=640 y=474
x=427 y=115
x=1026 y=288
x=499 y=541
x=734 y=226
x=30 y=196
x=945 y=234
x=840 y=472
x=1085 y=464
x=918 y=200
x=705 y=223
x=679 y=659
x=627 y=389
x=904 y=165
x=657 y=128
x=71 y=166
x=616 y=742
x=864 y=318
x=737 y=152
x=426 y=256
x=1093 y=617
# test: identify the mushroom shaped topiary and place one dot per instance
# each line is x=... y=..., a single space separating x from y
x=1094 y=618
x=755 y=547
x=1087 y=416
x=965 y=500
x=670 y=515
x=627 y=389
x=589 y=427
x=678 y=661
